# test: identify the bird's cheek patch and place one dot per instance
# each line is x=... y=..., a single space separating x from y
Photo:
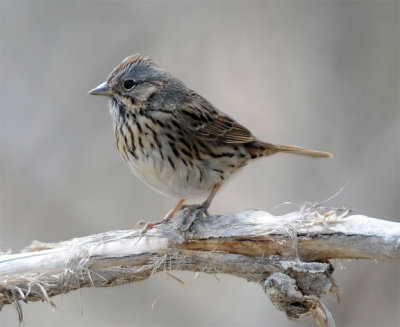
x=143 y=92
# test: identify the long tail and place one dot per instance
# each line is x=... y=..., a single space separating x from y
x=261 y=149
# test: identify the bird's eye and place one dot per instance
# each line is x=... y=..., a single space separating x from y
x=129 y=84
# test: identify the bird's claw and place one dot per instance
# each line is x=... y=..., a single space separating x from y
x=147 y=226
x=203 y=207
x=190 y=214
x=140 y=223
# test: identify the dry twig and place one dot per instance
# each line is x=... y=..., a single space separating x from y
x=288 y=255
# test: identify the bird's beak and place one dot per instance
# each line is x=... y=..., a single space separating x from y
x=103 y=89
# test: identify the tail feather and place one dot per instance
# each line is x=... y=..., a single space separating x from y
x=266 y=149
x=302 y=151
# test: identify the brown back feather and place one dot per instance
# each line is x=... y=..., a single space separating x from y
x=210 y=124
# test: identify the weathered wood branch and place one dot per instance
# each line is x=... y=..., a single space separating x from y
x=288 y=255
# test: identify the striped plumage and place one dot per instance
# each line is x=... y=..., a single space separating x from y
x=172 y=138
x=168 y=157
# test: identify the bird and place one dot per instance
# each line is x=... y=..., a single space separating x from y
x=174 y=139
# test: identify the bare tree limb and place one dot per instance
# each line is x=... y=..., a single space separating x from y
x=288 y=255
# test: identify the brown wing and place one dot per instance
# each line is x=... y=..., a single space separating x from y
x=210 y=124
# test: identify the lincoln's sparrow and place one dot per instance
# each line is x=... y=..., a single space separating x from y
x=174 y=139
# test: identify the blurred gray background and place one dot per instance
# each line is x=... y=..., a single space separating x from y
x=314 y=73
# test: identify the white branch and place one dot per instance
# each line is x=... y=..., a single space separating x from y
x=275 y=251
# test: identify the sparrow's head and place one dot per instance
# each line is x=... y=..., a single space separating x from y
x=133 y=81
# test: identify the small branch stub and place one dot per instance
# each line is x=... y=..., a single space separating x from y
x=287 y=255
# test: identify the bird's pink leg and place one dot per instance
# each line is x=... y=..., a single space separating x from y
x=172 y=212
x=207 y=202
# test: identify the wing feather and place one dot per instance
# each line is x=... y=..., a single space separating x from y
x=210 y=124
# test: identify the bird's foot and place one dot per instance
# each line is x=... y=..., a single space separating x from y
x=145 y=226
x=190 y=214
x=186 y=207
